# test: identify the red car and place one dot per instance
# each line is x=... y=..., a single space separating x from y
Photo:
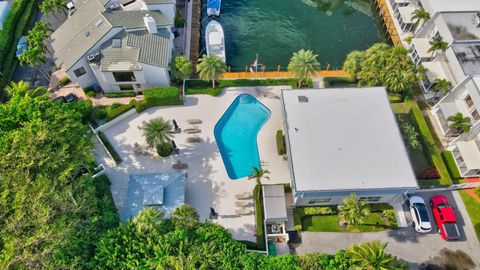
x=445 y=218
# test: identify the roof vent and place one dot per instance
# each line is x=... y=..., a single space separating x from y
x=87 y=34
x=302 y=99
x=116 y=43
x=98 y=23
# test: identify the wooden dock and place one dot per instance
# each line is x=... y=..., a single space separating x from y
x=280 y=74
x=384 y=12
x=195 y=31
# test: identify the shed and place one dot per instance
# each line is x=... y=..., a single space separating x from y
x=274 y=203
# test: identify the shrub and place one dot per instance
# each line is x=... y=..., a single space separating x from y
x=64 y=81
x=160 y=96
x=117 y=109
x=109 y=147
x=395 y=97
x=451 y=165
x=281 y=148
x=179 y=21
x=91 y=94
x=430 y=173
x=389 y=215
x=164 y=149
x=330 y=82
x=101 y=113
x=88 y=89
x=119 y=94
x=477 y=191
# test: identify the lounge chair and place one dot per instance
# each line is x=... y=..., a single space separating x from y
x=193 y=139
x=243 y=196
x=243 y=203
x=194 y=121
x=244 y=211
x=192 y=130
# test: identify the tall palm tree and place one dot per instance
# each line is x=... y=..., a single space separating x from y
x=441 y=85
x=38 y=34
x=157 y=131
x=47 y=7
x=181 y=67
x=23 y=89
x=210 y=67
x=303 y=64
x=34 y=57
x=258 y=174
x=420 y=15
x=459 y=123
x=438 y=44
x=371 y=256
x=353 y=210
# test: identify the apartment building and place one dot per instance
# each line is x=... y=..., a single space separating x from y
x=116 y=45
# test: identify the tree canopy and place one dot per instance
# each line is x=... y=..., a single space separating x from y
x=384 y=65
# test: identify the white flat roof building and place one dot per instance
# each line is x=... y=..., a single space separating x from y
x=344 y=140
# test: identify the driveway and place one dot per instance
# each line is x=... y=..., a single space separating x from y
x=405 y=243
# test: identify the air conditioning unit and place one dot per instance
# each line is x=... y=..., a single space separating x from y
x=476 y=19
x=113 y=6
x=93 y=56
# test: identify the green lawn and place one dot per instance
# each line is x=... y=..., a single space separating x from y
x=374 y=223
x=473 y=208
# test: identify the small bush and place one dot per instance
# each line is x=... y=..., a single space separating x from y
x=88 y=89
x=119 y=94
x=451 y=165
x=109 y=147
x=101 y=113
x=319 y=210
x=395 y=97
x=179 y=21
x=91 y=94
x=281 y=148
x=117 y=109
x=164 y=149
x=330 y=82
x=64 y=81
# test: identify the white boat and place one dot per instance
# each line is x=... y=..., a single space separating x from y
x=213 y=7
x=215 y=40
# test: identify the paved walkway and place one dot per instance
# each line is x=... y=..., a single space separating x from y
x=404 y=243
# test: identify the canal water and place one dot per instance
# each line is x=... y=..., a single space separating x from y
x=274 y=29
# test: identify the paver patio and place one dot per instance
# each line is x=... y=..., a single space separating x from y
x=207 y=184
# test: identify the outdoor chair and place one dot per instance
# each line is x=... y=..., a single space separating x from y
x=244 y=211
x=194 y=139
x=243 y=196
x=243 y=203
x=192 y=130
x=194 y=121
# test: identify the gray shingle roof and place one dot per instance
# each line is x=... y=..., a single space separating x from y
x=134 y=18
x=154 y=48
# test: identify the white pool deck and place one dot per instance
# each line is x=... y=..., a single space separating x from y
x=207 y=184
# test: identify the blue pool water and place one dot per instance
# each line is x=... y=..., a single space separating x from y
x=236 y=135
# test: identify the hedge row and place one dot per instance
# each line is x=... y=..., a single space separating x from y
x=428 y=142
x=14 y=26
x=114 y=111
x=451 y=165
x=330 y=82
x=281 y=148
x=119 y=94
x=193 y=87
x=109 y=147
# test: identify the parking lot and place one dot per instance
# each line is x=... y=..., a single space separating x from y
x=407 y=244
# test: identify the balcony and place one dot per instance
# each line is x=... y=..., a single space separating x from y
x=467 y=157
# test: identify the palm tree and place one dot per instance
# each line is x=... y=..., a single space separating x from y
x=181 y=67
x=157 y=131
x=185 y=217
x=47 y=7
x=438 y=44
x=258 y=174
x=353 y=210
x=23 y=89
x=38 y=34
x=210 y=67
x=371 y=256
x=459 y=123
x=33 y=57
x=420 y=15
x=353 y=63
x=441 y=85
x=303 y=64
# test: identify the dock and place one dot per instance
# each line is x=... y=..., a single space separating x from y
x=195 y=31
x=384 y=12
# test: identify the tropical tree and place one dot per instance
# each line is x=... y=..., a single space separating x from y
x=47 y=7
x=441 y=85
x=459 y=123
x=181 y=67
x=210 y=67
x=185 y=217
x=409 y=134
x=157 y=131
x=23 y=89
x=420 y=15
x=353 y=210
x=258 y=174
x=353 y=63
x=303 y=64
x=38 y=34
x=437 y=44
x=34 y=57
x=371 y=256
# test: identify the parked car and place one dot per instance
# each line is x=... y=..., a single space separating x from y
x=445 y=218
x=418 y=209
x=71 y=98
x=21 y=46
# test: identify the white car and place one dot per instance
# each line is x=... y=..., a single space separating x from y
x=419 y=212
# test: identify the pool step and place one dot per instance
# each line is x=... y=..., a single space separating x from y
x=245 y=99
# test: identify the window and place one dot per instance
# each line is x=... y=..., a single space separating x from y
x=126 y=87
x=370 y=199
x=79 y=71
x=475 y=115
x=124 y=77
x=469 y=101
x=319 y=201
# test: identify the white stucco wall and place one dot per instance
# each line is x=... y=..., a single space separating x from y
x=338 y=197
x=167 y=9
x=155 y=76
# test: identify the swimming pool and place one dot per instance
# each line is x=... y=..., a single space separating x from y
x=236 y=135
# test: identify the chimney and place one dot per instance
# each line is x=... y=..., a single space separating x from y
x=150 y=23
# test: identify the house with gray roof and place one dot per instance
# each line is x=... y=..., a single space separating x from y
x=110 y=45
